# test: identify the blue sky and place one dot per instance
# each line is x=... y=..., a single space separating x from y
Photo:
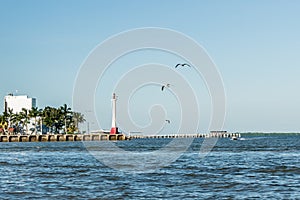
x=255 y=45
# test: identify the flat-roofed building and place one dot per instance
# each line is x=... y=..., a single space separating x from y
x=16 y=103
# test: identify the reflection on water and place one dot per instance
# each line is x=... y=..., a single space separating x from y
x=262 y=167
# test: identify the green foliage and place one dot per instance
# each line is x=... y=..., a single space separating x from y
x=61 y=119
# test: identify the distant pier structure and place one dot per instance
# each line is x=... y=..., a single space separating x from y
x=221 y=134
x=211 y=134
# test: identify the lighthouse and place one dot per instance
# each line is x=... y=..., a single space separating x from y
x=114 y=128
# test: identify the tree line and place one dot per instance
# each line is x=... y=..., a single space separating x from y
x=49 y=119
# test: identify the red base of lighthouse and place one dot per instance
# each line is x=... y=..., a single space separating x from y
x=114 y=130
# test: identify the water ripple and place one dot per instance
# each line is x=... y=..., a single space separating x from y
x=265 y=168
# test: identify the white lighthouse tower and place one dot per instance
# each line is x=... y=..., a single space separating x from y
x=114 y=128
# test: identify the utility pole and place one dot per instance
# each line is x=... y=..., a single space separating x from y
x=88 y=127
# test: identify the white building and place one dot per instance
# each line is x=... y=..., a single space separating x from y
x=16 y=103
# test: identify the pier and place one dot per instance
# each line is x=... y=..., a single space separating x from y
x=61 y=137
x=106 y=137
x=212 y=134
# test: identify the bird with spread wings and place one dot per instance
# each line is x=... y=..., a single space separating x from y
x=182 y=64
x=163 y=87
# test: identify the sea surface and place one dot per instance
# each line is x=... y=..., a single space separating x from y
x=254 y=167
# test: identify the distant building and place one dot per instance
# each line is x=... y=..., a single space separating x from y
x=16 y=103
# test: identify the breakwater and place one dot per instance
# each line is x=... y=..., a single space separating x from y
x=61 y=137
x=103 y=136
x=198 y=135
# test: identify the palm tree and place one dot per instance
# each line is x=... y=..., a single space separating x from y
x=24 y=117
x=53 y=118
x=48 y=117
x=34 y=113
x=3 y=123
x=13 y=120
x=45 y=114
x=65 y=114
x=10 y=116
x=77 y=118
x=41 y=119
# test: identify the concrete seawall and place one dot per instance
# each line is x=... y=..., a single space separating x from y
x=102 y=136
x=60 y=137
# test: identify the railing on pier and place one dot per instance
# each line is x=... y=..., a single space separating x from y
x=223 y=134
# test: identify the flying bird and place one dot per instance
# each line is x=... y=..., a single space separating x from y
x=162 y=87
x=168 y=121
x=182 y=64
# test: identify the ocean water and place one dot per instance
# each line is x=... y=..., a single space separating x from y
x=255 y=167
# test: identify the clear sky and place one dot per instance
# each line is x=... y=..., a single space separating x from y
x=255 y=45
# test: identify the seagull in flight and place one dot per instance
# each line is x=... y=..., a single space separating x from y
x=168 y=121
x=162 y=87
x=182 y=64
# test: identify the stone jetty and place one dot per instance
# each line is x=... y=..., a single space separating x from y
x=61 y=137
x=104 y=136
